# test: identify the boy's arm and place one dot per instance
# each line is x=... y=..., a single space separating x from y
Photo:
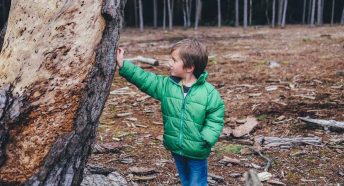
x=214 y=120
x=147 y=82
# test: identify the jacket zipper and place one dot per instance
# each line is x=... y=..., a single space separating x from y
x=182 y=115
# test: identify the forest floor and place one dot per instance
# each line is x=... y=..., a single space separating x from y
x=273 y=75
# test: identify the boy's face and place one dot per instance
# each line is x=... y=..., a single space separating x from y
x=177 y=66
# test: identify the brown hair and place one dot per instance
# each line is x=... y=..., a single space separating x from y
x=193 y=54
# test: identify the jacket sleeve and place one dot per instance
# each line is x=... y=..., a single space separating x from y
x=214 y=120
x=148 y=82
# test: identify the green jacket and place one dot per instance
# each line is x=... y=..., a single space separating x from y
x=192 y=125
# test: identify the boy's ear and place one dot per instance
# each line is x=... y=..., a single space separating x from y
x=190 y=69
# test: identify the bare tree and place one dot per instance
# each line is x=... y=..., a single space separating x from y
x=250 y=17
x=280 y=12
x=135 y=12
x=273 y=13
x=304 y=11
x=141 y=15
x=284 y=13
x=319 y=17
x=310 y=4
x=164 y=16
x=51 y=98
x=198 y=12
x=155 y=14
x=188 y=11
x=313 y=12
x=267 y=11
x=169 y=9
x=245 y=14
x=219 y=13
x=332 y=14
x=342 y=19
x=236 y=13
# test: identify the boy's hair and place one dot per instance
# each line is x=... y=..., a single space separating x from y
x=193 y=54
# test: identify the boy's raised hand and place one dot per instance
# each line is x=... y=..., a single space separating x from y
x=119 y=57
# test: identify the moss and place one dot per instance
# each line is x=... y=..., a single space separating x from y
x=227 y=149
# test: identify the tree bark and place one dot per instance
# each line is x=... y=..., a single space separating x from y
x=267 y=11
x=245 y=14
x=304 y=11
x=135 y=12
x=188 y=12
x=309 y=11
x=198 y=13
x=2 y=35
x=313 y=12
x=164 y=16
x=184 y=14
x=141 y=15
x=155 y=14
x=169 y=9
x=236 y=13
x=55 y=76
x=280 y=12
x=273 y=13
x=332 y=14
x=219 y=13
x=250 y=17
x=284 y=13
x=342 y=19
x=319 y=13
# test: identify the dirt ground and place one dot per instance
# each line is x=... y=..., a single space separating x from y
x=274 y=75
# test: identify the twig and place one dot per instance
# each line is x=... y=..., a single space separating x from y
x=269 y=161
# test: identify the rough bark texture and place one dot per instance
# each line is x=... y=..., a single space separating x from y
x=56 y=68
x=2 y=35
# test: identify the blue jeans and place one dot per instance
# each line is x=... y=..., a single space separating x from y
x=192 y=172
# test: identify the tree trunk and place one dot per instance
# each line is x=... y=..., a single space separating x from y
x=188 y=12
x=2 y=35
x=304 y=11
x=342 y=19
x=273 y=13
x=169 y=9
x=284 y=13
x=56 y=73
x=313 y=12
x=135 y=12
x=141 y=15
x=319 y=13
x=219 y=13
x=309 y=11
x=332 y=14
x=184 y=14
x=250 y=17
x=164 y=16
x=245 y=14
x=155 y=14
x=236 y=13
x=280 y=12
x=198 y=13
x=267 y=11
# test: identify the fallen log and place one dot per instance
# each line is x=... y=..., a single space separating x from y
x=268 y=142
x=326 y=124
x=56 y=70
x=150 y=61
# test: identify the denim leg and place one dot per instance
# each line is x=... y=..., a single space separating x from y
x=182 y=167
x=198 y=172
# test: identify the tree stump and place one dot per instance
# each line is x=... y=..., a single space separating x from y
x=56 y=69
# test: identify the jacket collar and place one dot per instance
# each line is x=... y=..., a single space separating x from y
x=201 y=79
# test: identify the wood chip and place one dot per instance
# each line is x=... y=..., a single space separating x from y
x=124 y=114
x=246 y=128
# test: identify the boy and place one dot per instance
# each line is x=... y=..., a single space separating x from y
x=192 y=109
